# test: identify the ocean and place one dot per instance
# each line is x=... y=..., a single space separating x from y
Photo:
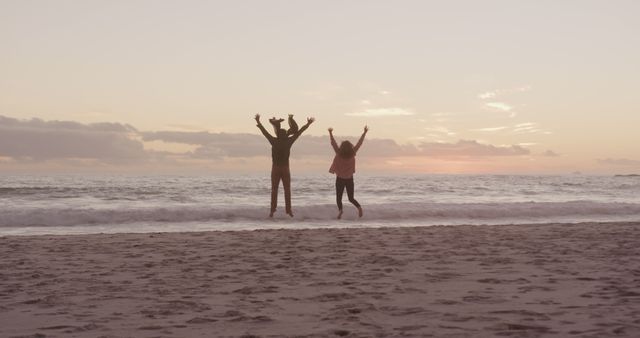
x=80 y=204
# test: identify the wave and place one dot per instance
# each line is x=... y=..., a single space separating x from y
x=399 y=212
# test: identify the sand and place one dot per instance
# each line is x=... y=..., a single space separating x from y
x=555 y=280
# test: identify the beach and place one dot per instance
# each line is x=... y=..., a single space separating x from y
x=553 y=280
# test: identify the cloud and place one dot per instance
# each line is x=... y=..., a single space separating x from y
x=441 y=130
x=36 y=139
x=36 y=123
x=254 y=145
x=500 y=92
x=247 y=145
x=526 y=128
x=525 y=125
x=382 y=112
x=470 y=148
x=520 y=128
x=491 y=129
x=213 y=145
x=529 y=128
x=441 y=114
x=550 y=153
x=76 y=144
x=185 y=127
x=488 y=95
x=500 y=106
x=619 y=162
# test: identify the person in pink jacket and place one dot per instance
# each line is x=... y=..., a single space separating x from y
x=344 y=166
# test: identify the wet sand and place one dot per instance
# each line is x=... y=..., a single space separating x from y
x=555 y=280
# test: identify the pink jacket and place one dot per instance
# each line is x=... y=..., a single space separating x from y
x=344 y=167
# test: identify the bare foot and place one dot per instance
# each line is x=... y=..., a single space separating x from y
x=340 y=214
x=290 y=213
x=360 y=212
x=271 y=214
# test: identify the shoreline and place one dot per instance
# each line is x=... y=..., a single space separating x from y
x=534 y=280
x=153 y=229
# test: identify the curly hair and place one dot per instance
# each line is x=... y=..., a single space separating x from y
x=346 y=150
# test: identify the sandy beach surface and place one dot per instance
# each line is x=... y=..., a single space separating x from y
x=558 y=280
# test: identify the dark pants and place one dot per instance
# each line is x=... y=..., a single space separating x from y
x=280 y=173
x=342 y=183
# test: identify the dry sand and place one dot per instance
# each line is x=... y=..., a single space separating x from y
x=461 y=281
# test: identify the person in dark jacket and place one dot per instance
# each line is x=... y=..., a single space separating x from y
x=280 y=151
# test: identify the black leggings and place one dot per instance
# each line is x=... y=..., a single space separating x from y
x=341 y=183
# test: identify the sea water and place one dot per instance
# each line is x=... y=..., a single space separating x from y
x=70 y=204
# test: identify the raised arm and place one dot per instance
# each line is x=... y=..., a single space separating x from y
x=301 y=130
x=333 y=140
x=264 y=131
x=355 y=149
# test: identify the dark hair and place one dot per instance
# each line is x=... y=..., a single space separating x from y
x=346 y=150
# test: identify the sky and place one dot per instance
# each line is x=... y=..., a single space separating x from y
x=523 y=87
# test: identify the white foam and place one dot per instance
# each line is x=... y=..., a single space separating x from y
x=444 y=213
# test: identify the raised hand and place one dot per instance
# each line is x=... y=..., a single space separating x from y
x=366 y=129
x=257 y=118
x=310 y=120
x=330 y=130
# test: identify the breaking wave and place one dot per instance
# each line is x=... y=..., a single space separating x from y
x=432 y=213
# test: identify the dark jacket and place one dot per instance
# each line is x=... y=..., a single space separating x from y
x=281 y=147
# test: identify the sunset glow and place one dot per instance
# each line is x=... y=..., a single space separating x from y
x=500 y=87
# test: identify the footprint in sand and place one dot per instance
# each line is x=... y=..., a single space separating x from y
x=201 y=320
x=511 y=329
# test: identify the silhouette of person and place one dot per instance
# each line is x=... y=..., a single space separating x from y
x=344 y=166
x=280 y=150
